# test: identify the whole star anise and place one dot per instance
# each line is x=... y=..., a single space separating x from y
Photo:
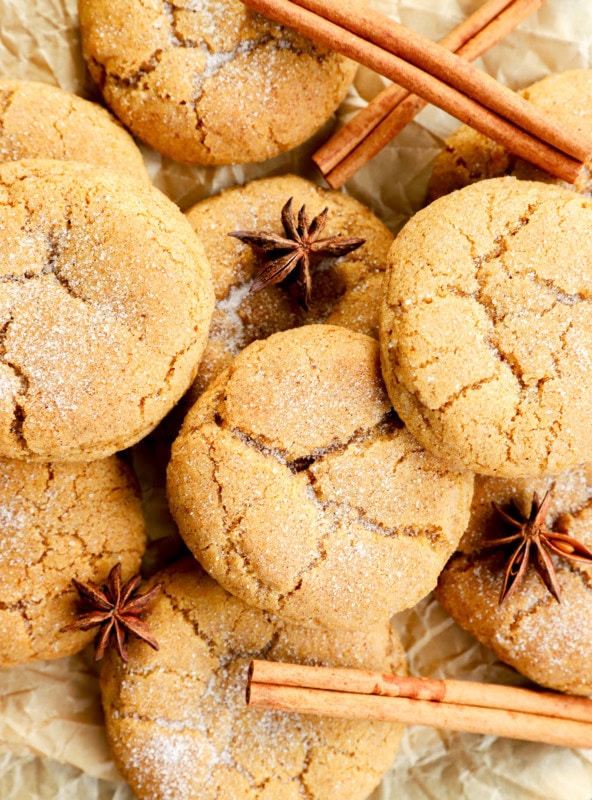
x=282 y=255
x=535 y=542
x=115 y=611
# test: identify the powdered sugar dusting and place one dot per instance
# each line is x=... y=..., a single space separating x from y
x=233 y=332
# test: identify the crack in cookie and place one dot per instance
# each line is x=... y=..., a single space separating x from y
x=492 y=400
x=297 y=487
x=210 y=70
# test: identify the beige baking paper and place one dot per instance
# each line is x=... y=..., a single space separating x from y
x=51 y=736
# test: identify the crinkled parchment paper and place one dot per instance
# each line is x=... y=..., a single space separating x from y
x=51 y=738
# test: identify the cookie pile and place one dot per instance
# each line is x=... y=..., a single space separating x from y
x=92 y=355
x=107 y=300
x=322 y=479
x=486 y=341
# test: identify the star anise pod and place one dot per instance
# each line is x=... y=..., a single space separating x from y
x=535 y=542
x=296 y=251
x=113 y=608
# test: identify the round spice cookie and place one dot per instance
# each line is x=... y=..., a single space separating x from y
x=177 y=719
x=298 y=489
x=549 y=642
x=210 y=82
x=345 y=290
x=486 y=328
x=469 y=156
x=105 y=303
x=41 y=121
x=60 y=521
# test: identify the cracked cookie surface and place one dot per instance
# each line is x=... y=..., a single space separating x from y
x=41 y=121
x=299 y=490
x=60 y=521
x=177 y=719
x=549 y=642
x=210 y=82
x=469 y=156
x=105 y=302
x=486 y=328
x=346 y=291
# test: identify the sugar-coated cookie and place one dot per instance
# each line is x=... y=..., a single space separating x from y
x=486 y=328
x=346 y=291
x=210 y=82
x=469 y=156
x=177 y=719
x=38 y=120
x=105 y=303
x=549 y=642
x=60 y=521
x=299 y=490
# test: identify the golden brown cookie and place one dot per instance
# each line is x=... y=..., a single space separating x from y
x=60 y=521
x=469 y=156
x=299 y=490
x=549 y=642
x=177 y=719
x=486 y=328
x=41 y=121
x=105 y=302
x=346 y=290
x=213 y=82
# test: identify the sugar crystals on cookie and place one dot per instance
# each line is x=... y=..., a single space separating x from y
x=300 y=491
x=486 y=328
x=549 y=642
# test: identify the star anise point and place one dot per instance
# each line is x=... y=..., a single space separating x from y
x=115 y=610
x=532 y=536
x=290 y=256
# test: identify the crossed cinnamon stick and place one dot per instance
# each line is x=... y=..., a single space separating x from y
x=439 y=77
x=394 y=108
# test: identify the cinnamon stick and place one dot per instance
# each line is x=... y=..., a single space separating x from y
x=332 y=36
x=394 y=108
x=460 y=705
x=469 y=693
x=493 y=721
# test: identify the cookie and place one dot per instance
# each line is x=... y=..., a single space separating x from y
x=210 y=83
x=60 y=521
x=298 y=489
x=105 y=302
x=549 y=642
x=177 y=720
x=41 y=121
x=486 y=328
x=469 y=156
x=346 y=291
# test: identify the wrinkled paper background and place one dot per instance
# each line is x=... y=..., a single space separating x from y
x=52 y=744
